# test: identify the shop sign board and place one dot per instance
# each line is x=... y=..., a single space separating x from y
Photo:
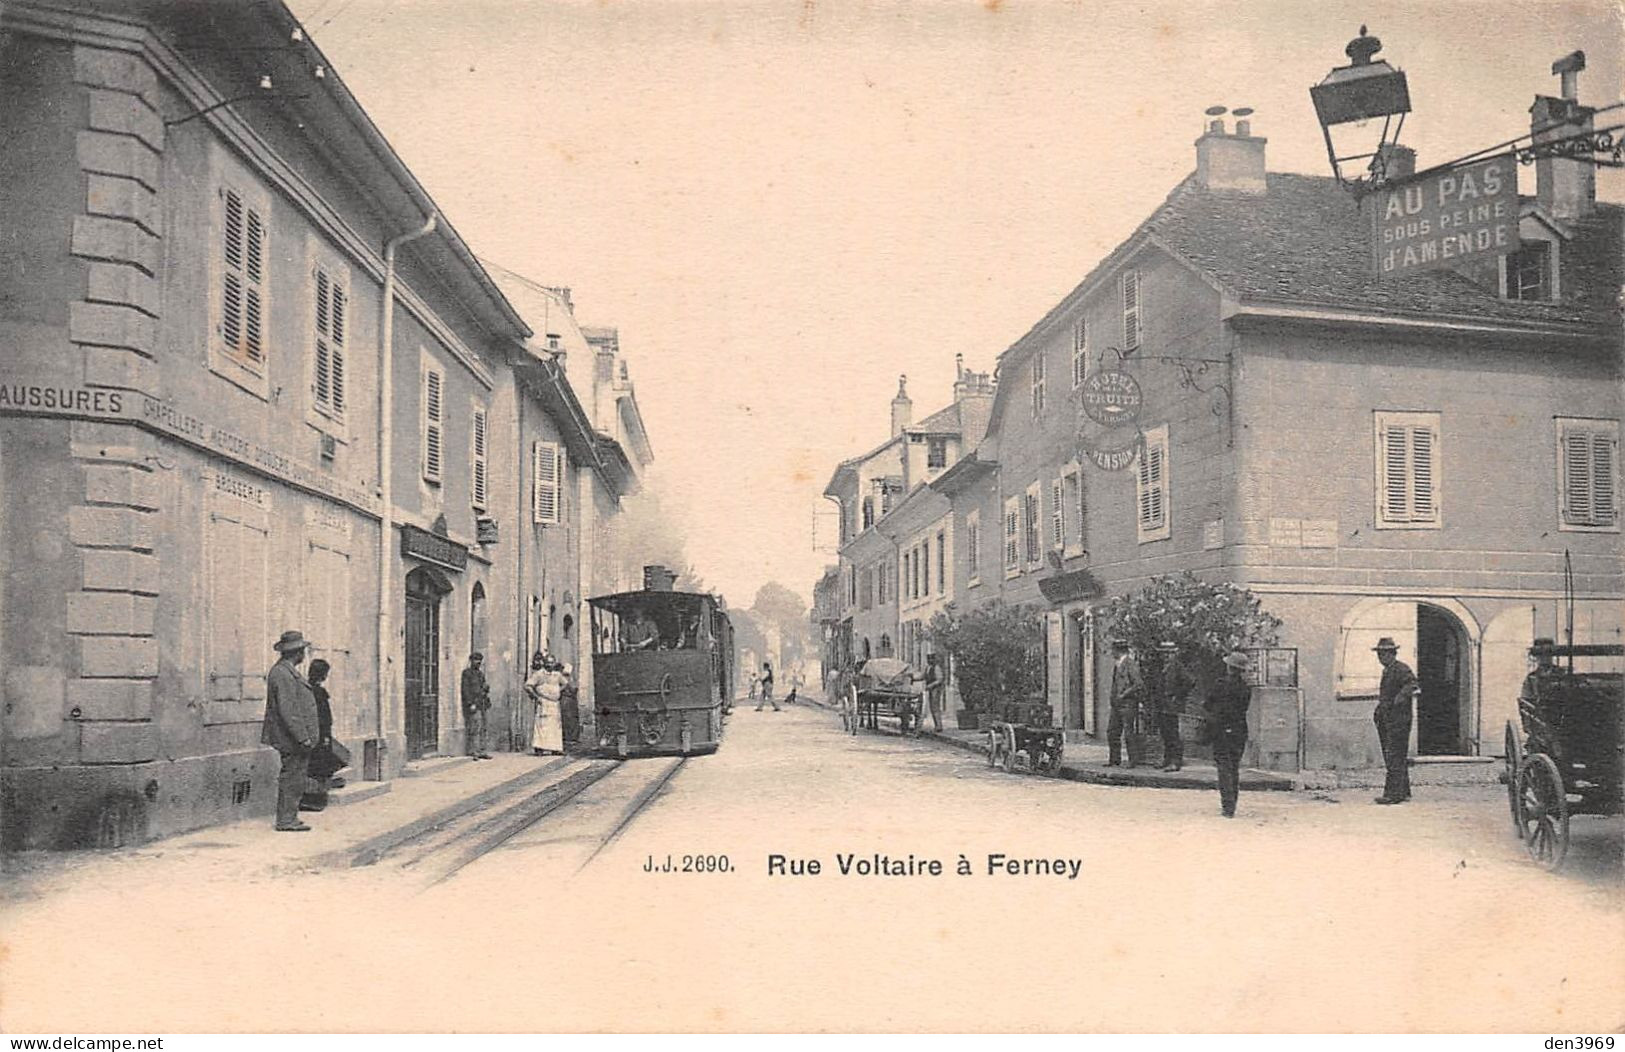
x=1445 y=219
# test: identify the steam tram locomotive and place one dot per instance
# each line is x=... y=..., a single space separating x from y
x=663 y=669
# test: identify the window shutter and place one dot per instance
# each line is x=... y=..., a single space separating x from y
x=253 y=290
x=339 y=327
x=1396 y=483
x=545 y=483
x=1057 y=515
x=1131 y=309
x=1602 y=478
x=231 y=283
x=1011 y=526
x=479 y=459
x=1423 y=506
x=1577 y=477
x=324 y=360
x=1031 y=524
x=1153 y=501
x=1080 y=352
x=433 y=423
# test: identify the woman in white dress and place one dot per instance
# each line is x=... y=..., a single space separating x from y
x=547 y=733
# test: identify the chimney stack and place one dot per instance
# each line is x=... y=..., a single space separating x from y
x=902 y=408
x=1233 y=163
x=1565 y=187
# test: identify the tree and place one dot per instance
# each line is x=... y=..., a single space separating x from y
x=997 y=652
x=786 y=612
x=1207 y=621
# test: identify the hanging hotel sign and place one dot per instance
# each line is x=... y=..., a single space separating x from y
x=1112 y=399
x=1111 y=396
x=1446 y=219
x=431 y=548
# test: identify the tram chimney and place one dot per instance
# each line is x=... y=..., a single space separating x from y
x=658 y=579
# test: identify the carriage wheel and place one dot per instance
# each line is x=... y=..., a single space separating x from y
x=1544 y=811
x=850 y=715
x=1514 y=762
x=1010 y=761
x=993 y=740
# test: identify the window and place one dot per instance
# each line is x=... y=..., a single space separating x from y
x=433 y=422
x=1031 y=517
x=1529 y=272
x=880 y=583
x=330 y=329
x=936 y=453
x=868 y=589
x=240 y=301
x=1072 y=501
x=851 y=587
x=885 y=498
x=479 y=440
x=925 y=568
x=973 y=545
x=1038 y=384
x=942 y=562
x=1080 y=352
x=868 y=512
x=545 y=472
x=1012 y=536
x=1151 y=487
x=1131 y=310
x=1057 y=516
x=1407 y=470
x=1588 y=460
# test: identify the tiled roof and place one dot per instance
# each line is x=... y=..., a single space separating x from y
x=1305 y=241
x=943 y=422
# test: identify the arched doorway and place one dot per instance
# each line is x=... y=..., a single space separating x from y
x=1444 y=726
x=424 y=589
x=1437 y=638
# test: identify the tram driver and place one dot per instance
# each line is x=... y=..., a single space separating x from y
x=639 y=632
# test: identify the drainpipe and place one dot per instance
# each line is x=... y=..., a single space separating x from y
x=386 y=452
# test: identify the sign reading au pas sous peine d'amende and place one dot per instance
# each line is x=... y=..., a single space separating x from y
x=1445 y=219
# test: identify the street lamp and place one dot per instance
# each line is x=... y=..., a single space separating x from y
x=1355 y=94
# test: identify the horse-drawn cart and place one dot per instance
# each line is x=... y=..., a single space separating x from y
x=1568 y=760
x=882 y=687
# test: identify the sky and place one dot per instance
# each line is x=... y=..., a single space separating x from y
x=784 y=206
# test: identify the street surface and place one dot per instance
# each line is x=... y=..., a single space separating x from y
x=1148 y=911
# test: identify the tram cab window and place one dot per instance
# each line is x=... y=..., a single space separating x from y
x=640 y=631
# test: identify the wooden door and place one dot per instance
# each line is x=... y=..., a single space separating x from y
x=422 y=676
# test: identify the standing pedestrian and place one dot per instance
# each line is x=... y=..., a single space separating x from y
x=547 y=732
x=291 y=727
x=318 y=768
x=1174 y=687
x=935 y=688
x=1227 y=704
x=476 y=698
x=1128 y=694
x=767 y=689
x=569 y=705
x=1393 y=719
x=751 y=694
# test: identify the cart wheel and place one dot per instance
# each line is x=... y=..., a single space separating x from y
x=993 y=742
x=1010 y=761
x=1514 y=762
x=850 y=715
x=1544 y=811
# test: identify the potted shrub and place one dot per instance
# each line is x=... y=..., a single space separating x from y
x=997 y=654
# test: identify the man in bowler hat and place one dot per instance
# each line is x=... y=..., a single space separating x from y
x=1128 y=694
x=291 y=726
x=1393 y=720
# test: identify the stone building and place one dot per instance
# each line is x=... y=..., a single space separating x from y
x=1411 y=457
x=251 y=380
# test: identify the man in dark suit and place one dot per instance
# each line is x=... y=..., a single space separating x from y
x=1174 y=687
x=1128 y=694
x=1393 y=720
x=476 y=698
x=291 y=727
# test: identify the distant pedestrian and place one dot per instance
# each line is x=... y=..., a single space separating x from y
x=1172 y=690
x=1393 y=719
x=754 y=681
x=320 y=765
x=767 y=689
x=569 y=705
x=476 y=699
x=1227 y=704
x=935 y=688
x=547 y=730
x=291 y=727
x=1128 y=695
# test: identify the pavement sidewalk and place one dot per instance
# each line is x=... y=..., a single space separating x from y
x=1086 y=762
x=362 y=821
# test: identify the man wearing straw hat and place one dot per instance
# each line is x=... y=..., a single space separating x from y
x=291 y=726
x=1393 y=720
